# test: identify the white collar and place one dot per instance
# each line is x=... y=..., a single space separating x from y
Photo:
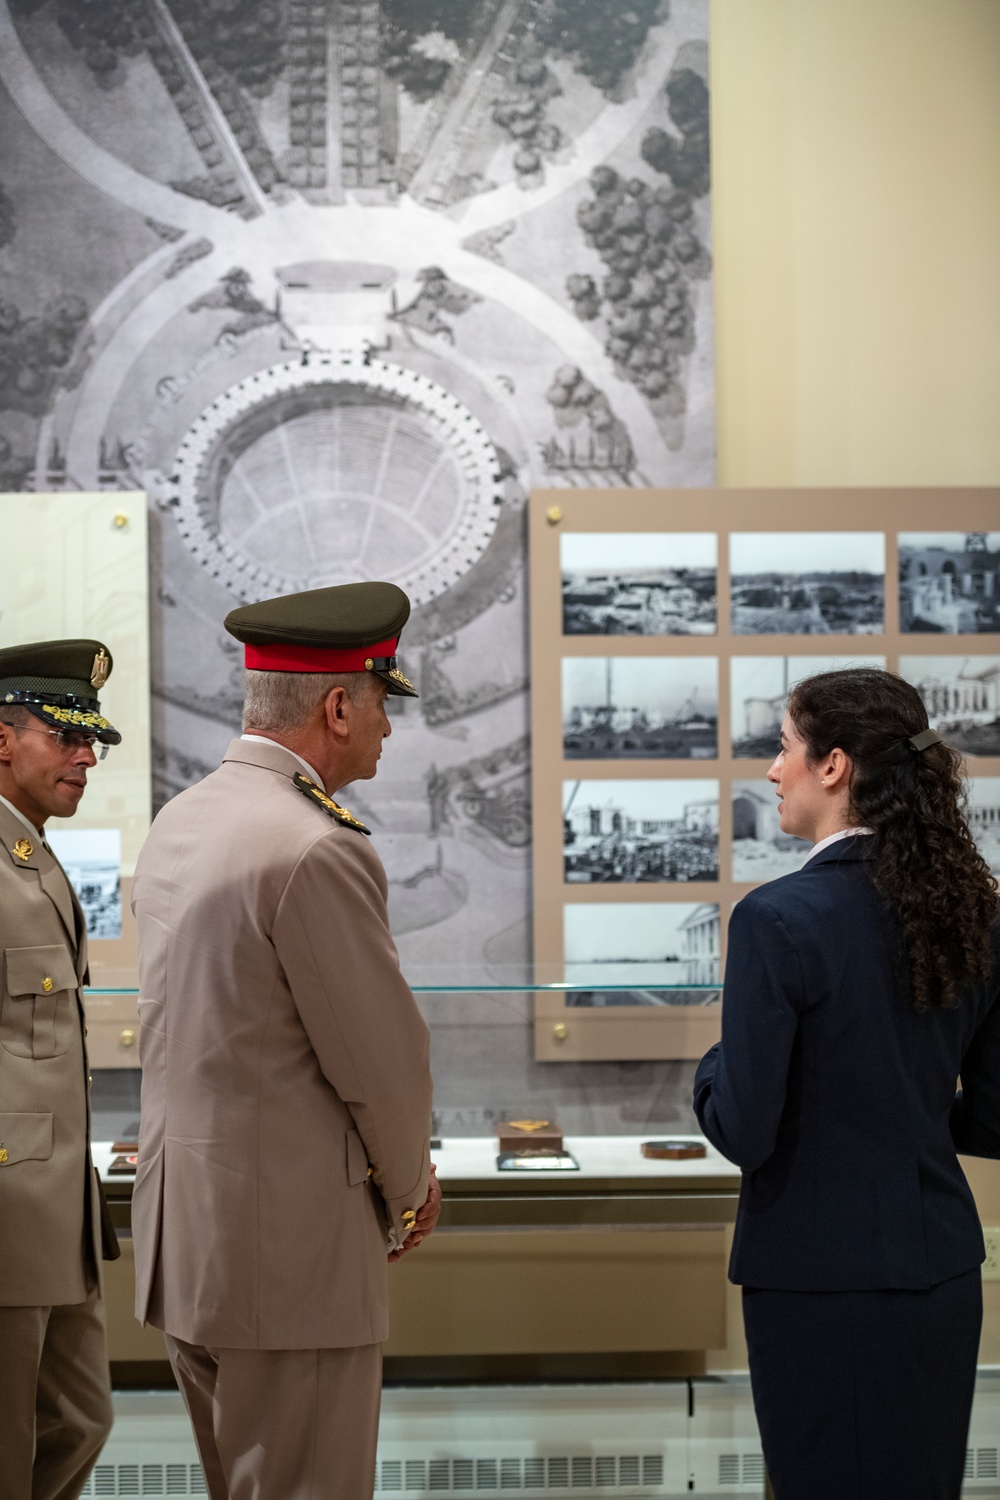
x=38 y=833
x=845 y=833
x=313 y=773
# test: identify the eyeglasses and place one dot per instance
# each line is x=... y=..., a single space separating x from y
x=73 y=739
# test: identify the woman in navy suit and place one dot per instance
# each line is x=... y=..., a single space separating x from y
x=857 y=991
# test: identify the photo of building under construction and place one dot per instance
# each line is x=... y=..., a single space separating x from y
x=637 y=831
x=807 y=582
x=760 y=686
x=638 y=583
x=647 y=945
x=640 y=707
x=962 y=698
x=949 y=582
x=760 y=850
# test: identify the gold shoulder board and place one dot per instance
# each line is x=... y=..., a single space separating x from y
x=332 y=809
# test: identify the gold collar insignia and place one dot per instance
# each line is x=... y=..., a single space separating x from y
x=332 y=809
x=24 y=849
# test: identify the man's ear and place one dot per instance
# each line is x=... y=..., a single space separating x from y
x=335 y=710
x=6 y=742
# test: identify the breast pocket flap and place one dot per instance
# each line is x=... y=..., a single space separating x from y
x=25 y=1138
x=357 y=1159
x=39 y=971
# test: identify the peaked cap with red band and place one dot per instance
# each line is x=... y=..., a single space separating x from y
x=352 y=627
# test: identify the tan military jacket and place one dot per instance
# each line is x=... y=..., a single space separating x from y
x=286 y=1088
x=49 y=1208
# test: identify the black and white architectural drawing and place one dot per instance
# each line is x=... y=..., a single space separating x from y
x=639 y=831
x=949 y=582
x=760 y=850
x=629 y=947
x=807 y=583
x=760 y=686
x=336 y=282
x=638 y=583
x=962 y=698
x=640 y=708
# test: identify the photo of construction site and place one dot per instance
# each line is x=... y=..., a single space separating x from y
x=949 y=582
x=760 y=686
x=962 y=697
x=638 y=583
x=807 y=583
x=636 y=831
x=640 y=708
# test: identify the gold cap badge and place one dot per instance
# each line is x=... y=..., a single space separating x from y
x=102 y=666
x=24 y=849
x=528 y=1124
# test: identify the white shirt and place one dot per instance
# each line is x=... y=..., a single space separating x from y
x=845 y=833
x=313 y=773
x=37 y=833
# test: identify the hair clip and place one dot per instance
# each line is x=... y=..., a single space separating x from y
x=924 y=739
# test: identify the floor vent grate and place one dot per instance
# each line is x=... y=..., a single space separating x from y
x=741 y=1468
x=982 y=1463
x=121 y=1480
x=482 y=1476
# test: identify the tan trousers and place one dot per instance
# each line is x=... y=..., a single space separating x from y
x=283 y=1424
x=55 y=1398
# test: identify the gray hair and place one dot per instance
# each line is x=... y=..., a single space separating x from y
x=286 y=701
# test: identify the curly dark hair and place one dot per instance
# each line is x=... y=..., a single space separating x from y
x=926 y=863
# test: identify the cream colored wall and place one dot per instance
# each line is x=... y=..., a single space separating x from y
x=856 y=180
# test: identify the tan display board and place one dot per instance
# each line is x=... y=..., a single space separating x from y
x=77 y=565
x=666 y=629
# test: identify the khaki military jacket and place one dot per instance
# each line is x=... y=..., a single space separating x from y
x=286 y=1088
x=49 y=1199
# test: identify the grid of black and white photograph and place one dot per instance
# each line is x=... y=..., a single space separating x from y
x=759 y=687
x=807 y=582
x=638 y=583
x=630 y=946
x=962 y=697
x=949 y=582
x=662 y=747
x=761 y=851
x=639 y=831
x=640 y=708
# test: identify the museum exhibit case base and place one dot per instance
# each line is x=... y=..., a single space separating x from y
x=617 y=1269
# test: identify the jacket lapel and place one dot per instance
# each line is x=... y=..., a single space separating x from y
x=55 y=884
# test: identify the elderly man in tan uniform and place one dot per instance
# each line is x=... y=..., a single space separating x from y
x=286 y=1092
x=55 y=1397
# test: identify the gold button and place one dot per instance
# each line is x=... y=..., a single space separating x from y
x=46 y=984
x=560 y=1031
x=370 y=1171
x=554 y=515
x=90 y=1080
x=127 y=1037
x=3 y=1155
x=121 y=520
x=369 y=663
x=408 y=1214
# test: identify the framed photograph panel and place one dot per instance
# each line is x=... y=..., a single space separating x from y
x=652 y=811
x=88 y=576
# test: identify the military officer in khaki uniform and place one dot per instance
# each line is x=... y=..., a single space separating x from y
x=55 y=1398
x=286 y=1092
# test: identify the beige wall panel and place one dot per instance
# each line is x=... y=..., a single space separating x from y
x=856 y=206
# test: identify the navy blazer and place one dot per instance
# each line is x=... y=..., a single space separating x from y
x=837 y=1099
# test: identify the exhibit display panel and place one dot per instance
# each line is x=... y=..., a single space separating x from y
x=667 y=628
x=76 y=565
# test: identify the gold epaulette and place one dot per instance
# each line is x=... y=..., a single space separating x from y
x=332 y=809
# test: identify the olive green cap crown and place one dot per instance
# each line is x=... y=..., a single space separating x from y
x=58 y=682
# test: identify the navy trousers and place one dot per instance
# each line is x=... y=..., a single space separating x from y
x=865 y=1395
